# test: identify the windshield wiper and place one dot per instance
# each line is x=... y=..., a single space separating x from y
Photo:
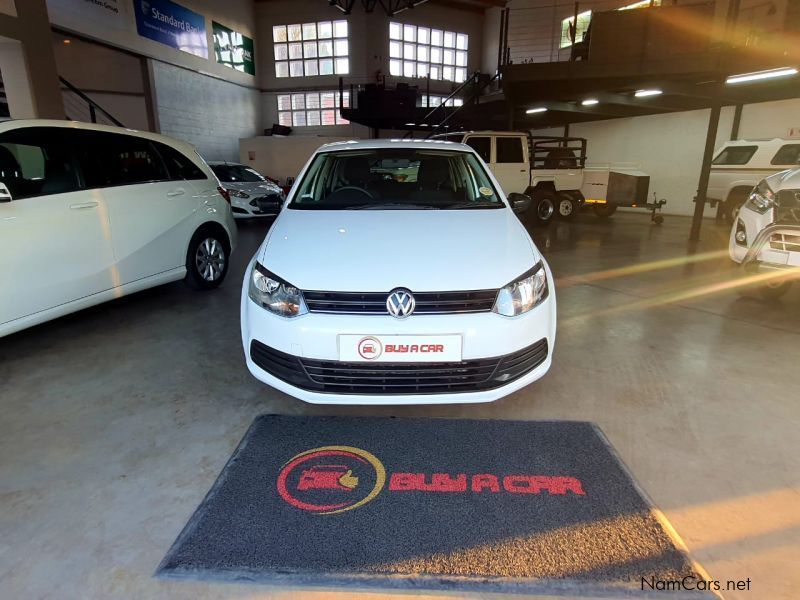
x=474 y=204
x=391 y=206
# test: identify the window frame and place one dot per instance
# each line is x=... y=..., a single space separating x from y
x=419 y=51
x=305 y=109
x=296 y=37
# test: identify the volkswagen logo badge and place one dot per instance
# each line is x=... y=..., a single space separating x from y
x=400 y=303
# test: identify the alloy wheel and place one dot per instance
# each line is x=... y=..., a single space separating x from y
x=210 y=259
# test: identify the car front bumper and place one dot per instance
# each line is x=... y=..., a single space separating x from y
x=247 y=208
x=769 y=246
x=500 y=355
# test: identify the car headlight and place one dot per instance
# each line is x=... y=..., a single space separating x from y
x=522 y=295
x=239 y=193
x=274 y=294
x=762 y=198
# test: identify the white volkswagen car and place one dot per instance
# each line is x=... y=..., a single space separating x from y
x=89 y=213
x=765 y=237
x=398 y=273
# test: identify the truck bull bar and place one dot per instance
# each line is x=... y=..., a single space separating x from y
x=751 y=262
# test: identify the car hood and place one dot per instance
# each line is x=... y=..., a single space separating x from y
x=785 y=180
x=254 y=189
x=378 y=250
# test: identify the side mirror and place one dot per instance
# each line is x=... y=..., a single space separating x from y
x=519 y=202
x=5 y=195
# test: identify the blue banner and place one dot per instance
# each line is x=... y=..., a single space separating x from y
x=173 y=25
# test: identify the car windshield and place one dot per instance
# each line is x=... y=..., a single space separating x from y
x=236 y=174
x=395 y=179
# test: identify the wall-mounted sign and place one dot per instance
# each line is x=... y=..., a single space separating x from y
x=173 y=25
x=233 y=49
x=108 y=14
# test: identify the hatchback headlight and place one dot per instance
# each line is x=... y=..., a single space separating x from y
x=276 y=295
x=239 y=194
x=522 y=295
x=761 y=199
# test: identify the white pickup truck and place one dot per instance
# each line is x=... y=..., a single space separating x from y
x=739 y=165
x=553 y=171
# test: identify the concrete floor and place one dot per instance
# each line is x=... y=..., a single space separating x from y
x=115 y=422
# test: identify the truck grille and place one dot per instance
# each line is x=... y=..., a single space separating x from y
x=331 y=376
x=374 y=303
x=785 y=241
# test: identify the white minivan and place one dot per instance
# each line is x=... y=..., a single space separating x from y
x=89 y=213
x=398 y=273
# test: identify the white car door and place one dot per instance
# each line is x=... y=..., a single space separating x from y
x=151 y=216
x=56 y=237
x=510 y=164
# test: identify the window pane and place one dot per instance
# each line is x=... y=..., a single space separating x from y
x=409 y=51
x=461 y=75
x=295 y=33
x=436 y=55
x=340 y=48
x=787 y=155
x=422 y=53
x=311 y=67
x=345 y=99
x=111 y=159
x=281 y=52
x=299 y=119
x=436 y=72
x=447 y=73
x=312 y=100
x=423 y=35
x=296 y=68
x=298 y=101
x=310 y=49
x=461 y=59
x=342 y=66
x=325 y=29
x=295 y=50
x=284 y=102
x=509 y=149
x=285 y=118
x=422 y=69
x=312 y=118
x=395 y=31
x=462 y=41
x=326 y=66
x=481 y=145
x=281 y=69
x=395 y=50
x=409 y=33
x=409 y=69
x=38 y=162
x=340 y=29
x=328 y=99
x=279 y=33
x=340 y=120
x=449 y=57
x=309 y=31
x=395 y=68
x=459 y=102
x=328 y=117
x=326 y=48
x=436 y=37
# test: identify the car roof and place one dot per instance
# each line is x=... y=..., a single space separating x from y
x=21 y=123
x=393 y=143
x=224 y=163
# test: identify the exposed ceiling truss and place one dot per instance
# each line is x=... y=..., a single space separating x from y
x=391 y=7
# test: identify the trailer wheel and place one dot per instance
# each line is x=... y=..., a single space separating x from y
x=567 y=206
x=605 y=210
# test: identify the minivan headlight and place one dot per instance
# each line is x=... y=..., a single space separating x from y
x=762 y=198
x=522 y=295
x=274 y=294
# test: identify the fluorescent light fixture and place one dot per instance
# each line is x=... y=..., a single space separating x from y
x=590 y=102
x=532 y=111
x=646 y=93
x=758 y=75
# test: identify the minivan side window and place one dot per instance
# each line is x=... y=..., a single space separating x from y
x=509 y=150
x=110 y=159
x=787 y=155
x=735 y=155
x=179 y=166
x=482 y=145
x=36 y=161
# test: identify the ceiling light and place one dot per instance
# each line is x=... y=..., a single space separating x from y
x=590 y=102
x=646 y=93
x=768 y=74
x=67 y=42
x=532 y=111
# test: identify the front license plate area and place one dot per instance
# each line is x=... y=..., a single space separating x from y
x=400 y=348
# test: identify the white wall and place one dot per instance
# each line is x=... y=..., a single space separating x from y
x=281 y=157
x=669 y=147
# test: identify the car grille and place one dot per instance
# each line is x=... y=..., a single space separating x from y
x=374 y=303
x=335 y=377
x=785 y=241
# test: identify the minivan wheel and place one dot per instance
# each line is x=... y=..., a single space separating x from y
x=567 y=207
x=206 y=260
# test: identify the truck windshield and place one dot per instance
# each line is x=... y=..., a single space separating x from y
x=395 y=179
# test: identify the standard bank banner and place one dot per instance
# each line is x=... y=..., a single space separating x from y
x=173 y=25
